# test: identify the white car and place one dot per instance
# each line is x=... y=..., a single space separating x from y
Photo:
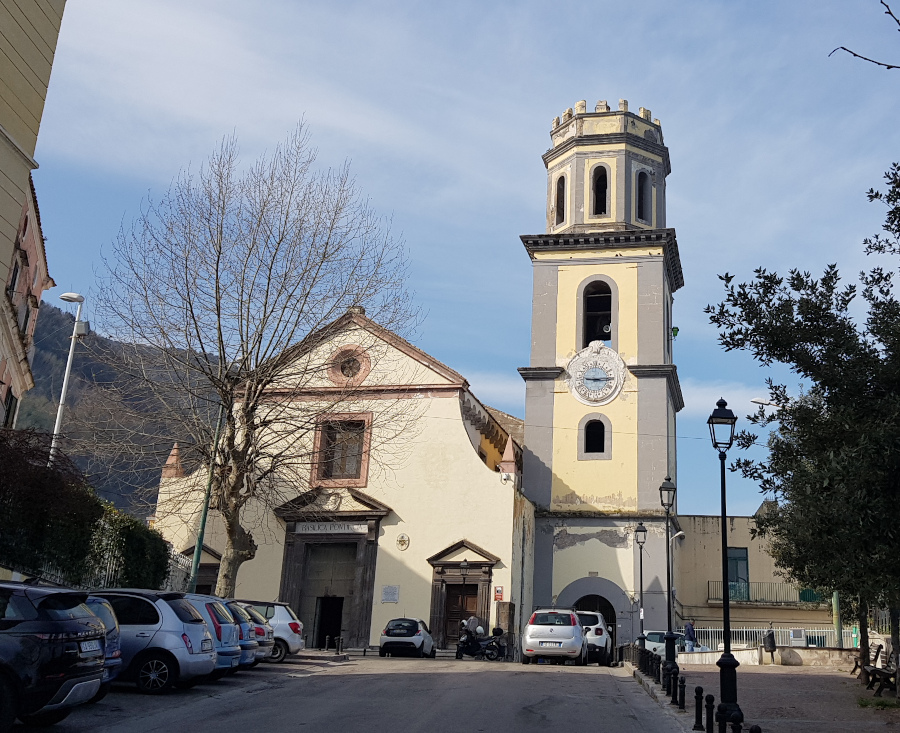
x=554 y=634
x=407 y=636
x=599 y=642
x=287 y=628
x=656 y=642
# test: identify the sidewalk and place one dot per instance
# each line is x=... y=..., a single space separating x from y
x=794 y=699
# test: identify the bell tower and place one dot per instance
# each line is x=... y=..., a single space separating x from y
x=602 y=391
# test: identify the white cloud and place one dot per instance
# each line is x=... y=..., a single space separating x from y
x=700 y=397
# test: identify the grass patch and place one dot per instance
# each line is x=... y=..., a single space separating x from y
x=879 y=703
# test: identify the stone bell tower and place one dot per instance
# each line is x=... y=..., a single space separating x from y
x=601 y=389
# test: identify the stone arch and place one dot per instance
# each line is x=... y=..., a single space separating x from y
x=614 y=311
x=618 y=599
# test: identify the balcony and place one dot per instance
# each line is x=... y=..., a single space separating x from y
x=765 y=594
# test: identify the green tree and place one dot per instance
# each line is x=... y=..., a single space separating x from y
x=833 y=465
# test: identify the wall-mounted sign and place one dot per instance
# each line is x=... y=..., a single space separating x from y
x=331 y=528
x=498 y=592
x=390 y=594
x=402 y=541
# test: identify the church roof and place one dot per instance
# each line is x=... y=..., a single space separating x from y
x=514 y=426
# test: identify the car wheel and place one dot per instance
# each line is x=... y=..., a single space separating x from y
x=381 y=652
x=601 y=658
x=279 y=651
x=155 y=674
x=44 y=720
x=526 y=659
x=420 y=652
x=433 y=651
x=101 y=693
x=7 y=707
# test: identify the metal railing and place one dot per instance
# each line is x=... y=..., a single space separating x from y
x=820 y=636
x=769 y=593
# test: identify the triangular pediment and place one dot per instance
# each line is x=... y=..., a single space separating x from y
x=330 y=504
x=463 y=550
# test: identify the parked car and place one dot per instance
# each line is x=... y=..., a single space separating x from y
x=164 y=639
x=112 y=665
x=407 y=636
x=656 y=642
x=265 y=634
x=226 y=631
x=246 y=635
x=556 y=634
x=599 y=642
x=52 y=650
x=287 y=627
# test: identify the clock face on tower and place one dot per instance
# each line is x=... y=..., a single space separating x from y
x=596 y=374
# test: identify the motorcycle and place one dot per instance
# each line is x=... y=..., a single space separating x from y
x=474 y=644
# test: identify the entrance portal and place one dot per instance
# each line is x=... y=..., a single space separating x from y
x=462 y=602
x=598 y=604
x=330 y=572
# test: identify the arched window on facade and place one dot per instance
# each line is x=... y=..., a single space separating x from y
x=560 y=199
x=644 y=196
x=600 y=187
x=595 y=437
x=597 y=313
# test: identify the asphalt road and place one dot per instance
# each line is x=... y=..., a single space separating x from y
x=397 y=695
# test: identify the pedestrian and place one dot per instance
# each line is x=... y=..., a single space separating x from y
x=690 y=639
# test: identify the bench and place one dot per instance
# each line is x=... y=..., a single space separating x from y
x=874 y=653
x=884 y=676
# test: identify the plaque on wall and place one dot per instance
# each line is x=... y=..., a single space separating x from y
x=331 y=528
x=390 y=594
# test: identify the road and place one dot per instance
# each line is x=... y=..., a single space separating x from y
x=397 y=695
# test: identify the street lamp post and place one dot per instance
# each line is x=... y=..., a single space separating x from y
x=78 y=331
x=640 y=537
x=721 y=429
x=667 y=499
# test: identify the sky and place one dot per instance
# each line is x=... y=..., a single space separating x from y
x=444 y=109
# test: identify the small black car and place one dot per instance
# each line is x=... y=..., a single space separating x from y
x=51 y=653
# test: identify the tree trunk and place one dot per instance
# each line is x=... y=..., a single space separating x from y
x=895 y=636
x=239 y=547
x=864 y=658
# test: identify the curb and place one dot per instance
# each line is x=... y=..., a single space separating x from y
x=658 y=694
x=323 y=657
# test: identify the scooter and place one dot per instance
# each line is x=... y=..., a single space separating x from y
x=474 y=645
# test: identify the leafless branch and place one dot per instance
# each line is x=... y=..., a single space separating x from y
x=896 y=20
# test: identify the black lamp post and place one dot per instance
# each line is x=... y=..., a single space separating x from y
x=721 y=430
x=640 y=537
x=667 y=499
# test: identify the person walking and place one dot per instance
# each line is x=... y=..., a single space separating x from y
x=690 y=639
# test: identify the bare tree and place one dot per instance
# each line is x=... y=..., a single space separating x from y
x=890 y=14
x=222 y=300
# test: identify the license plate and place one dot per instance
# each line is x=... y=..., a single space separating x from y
x=206 y=645
x=90 y=646
x=235 y=661
x=551 y=643
x=269 y=635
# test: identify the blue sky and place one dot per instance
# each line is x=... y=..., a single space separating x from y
x=444 y=110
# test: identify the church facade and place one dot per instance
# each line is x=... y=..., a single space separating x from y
x=602 y=392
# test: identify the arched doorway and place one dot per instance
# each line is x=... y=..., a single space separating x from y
x=598 y=604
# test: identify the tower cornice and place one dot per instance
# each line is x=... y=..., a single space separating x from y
x=609 y=138
x=535 y=243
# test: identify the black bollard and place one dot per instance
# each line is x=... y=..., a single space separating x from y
x=657 y=669
x=710 y=713
x=698 y=709
x=736 y=720
x=327 y=643
x=722 y=717
x=681 y=684
x=673 y=677
x=755 y=729
x=340 y=644
x=665 y=678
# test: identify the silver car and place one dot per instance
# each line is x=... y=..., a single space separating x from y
x=225 y=631
x=265 y=634
x=287 y=627
x=246 y=634
x=554 y=634
x=164 y=641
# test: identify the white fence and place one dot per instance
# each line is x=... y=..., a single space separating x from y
x=822 y=636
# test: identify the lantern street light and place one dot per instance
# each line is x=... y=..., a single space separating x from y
x=640 y=537
x=721 y=430
x=667 y=499
x=79 y=331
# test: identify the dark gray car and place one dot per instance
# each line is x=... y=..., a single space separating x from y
x=164 y=640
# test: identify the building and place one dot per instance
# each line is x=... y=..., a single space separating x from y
x=28 y=34
x=602 y=392
x=28 y=279
x=428 y=522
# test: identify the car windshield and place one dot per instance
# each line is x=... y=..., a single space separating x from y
x=589 y=619
x=64 y=606
x=552 y=619
x=255 y=615
x=104 y=611
x=406 y=624
x=186 y=613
